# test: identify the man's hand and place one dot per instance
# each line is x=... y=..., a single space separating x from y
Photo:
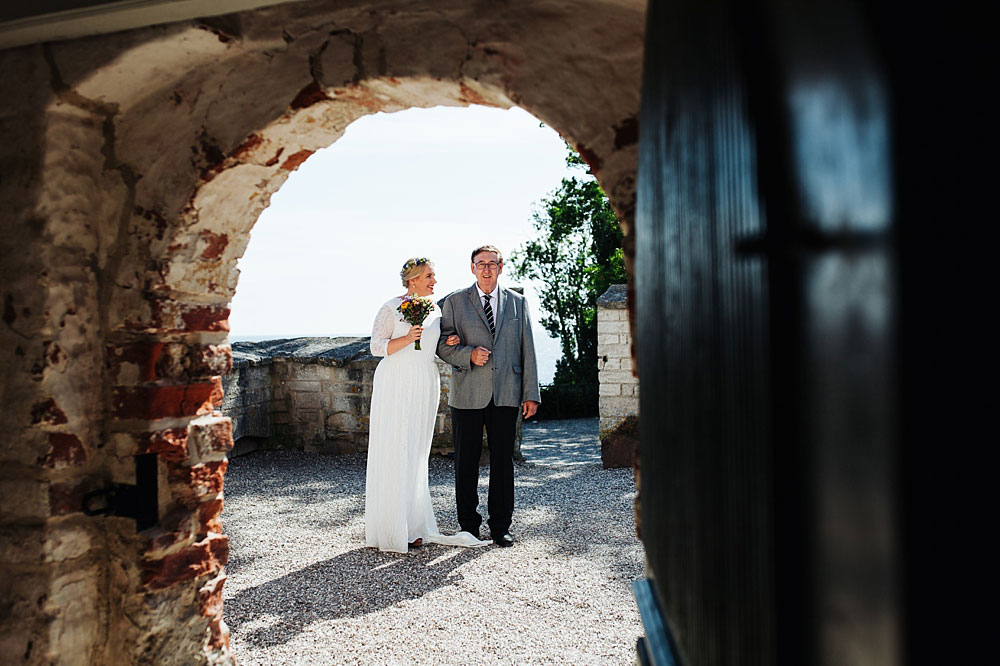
x=480 y=355
x=528 y=408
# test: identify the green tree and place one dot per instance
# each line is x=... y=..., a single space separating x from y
x=575 y=256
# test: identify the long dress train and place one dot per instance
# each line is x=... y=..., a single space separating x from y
x=404 y=405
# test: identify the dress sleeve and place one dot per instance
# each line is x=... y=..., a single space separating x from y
x=385 y=323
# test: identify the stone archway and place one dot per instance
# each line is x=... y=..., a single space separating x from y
x=140 y=162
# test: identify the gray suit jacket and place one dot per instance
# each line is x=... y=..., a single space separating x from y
x=510 y=376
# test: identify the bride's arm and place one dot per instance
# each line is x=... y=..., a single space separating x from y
x=385 y=322
x=411 y=336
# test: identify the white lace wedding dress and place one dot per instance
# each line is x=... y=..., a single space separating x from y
x=404 y=406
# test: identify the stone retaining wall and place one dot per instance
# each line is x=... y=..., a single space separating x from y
x=312 y=394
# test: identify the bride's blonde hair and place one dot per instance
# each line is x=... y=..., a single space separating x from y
x=413 y=267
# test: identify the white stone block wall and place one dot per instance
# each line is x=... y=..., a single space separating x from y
x=619 y=390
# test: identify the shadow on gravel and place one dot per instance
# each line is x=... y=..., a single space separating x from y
x=563 y=493
x=565 y=510
x=569 y=442
x=353 y=584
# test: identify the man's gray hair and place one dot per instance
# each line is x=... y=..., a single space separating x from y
x=488 y=248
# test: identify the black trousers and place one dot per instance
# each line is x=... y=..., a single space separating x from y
x=467 y=427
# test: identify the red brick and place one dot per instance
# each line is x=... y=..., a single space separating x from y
x=274 y=160
x=205 y=318
x=157 y=402
x=218 y=393
x=210 y=597
x=590 y=157
x=207 y=475
x=210 y=516
x=47 y=412
x=65 y=449
x=219 y=634
x=188 y=484
x=244 y=148
x=54 y=355
x=143 y=354
x=199 y=559
x=308 y=96
x=178 y=526
x=293 y=161
x=66 y=498
x=215 y=244
x=471 y=96
x=170 y=444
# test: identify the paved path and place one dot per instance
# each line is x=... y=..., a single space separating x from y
x=302 y=588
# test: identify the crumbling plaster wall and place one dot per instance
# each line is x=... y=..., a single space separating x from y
x=134 y=166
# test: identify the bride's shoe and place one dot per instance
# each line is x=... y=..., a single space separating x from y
x=416 y=544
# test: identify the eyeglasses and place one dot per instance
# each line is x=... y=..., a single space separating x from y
x=482 y=265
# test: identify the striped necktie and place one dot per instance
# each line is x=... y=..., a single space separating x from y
x=488 y=309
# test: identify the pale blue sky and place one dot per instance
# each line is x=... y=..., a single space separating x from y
x=423 y=182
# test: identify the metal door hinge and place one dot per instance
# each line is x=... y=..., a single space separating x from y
x=138 y=502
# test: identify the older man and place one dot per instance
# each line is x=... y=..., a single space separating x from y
x=494 y=374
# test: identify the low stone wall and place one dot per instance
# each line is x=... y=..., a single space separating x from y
x=312 y=394
x=248 y=398
x=618 y=404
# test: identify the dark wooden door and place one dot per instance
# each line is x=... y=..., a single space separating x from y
x=766 y=303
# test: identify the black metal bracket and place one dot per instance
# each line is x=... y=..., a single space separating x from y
x=138 y=502
x=810 y=241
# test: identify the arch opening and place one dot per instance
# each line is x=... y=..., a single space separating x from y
x=325 y=256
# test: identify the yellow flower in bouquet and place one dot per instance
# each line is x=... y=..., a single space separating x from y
x=414 y=310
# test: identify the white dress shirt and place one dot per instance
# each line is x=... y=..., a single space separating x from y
x=494 y=302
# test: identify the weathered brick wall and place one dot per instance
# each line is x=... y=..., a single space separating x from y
x=84 y=392
x=51 y=556
x=165 y=402
x=619 y=390
x=312 y=394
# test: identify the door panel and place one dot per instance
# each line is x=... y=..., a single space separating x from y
x=766 y=300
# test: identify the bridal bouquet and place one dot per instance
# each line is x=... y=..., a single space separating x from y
x=414 y=310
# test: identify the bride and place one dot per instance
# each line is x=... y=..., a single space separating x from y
x=404 y=405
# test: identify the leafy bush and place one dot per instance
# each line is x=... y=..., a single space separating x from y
x=568 y=401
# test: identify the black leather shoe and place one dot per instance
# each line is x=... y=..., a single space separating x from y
x=505 y=540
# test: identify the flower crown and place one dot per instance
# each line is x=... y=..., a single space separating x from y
x=410 y=263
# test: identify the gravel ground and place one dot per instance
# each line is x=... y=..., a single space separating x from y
x=303 y=589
